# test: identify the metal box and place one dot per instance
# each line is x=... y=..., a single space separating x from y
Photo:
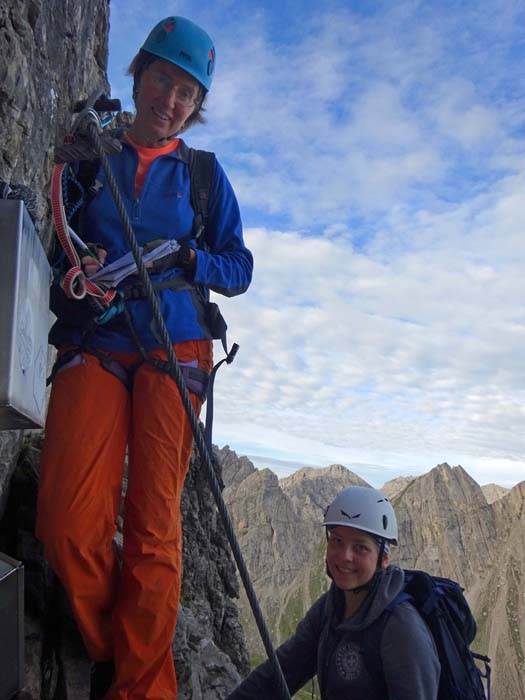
x=11 y=627
x=24 y=319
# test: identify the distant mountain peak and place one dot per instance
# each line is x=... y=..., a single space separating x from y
x=493 y=492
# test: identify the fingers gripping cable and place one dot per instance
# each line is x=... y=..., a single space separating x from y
x=91 y=127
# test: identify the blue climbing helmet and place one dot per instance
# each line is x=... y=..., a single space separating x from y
x=183 y=43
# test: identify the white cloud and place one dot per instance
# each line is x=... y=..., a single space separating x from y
x=416 y=354
x=378 y=160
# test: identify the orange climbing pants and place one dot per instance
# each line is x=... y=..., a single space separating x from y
x=126 y=613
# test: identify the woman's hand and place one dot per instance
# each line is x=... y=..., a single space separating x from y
x=90 y=263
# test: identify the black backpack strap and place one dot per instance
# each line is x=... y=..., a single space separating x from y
x=202 y=175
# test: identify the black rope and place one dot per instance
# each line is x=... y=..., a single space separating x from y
x=92 y=130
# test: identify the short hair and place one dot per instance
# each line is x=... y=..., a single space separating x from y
x=137 y=67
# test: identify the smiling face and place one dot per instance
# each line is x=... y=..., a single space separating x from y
x=351 y=557
x=165 y=98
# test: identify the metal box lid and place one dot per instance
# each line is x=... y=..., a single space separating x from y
x=8 y=565
x=24 y=319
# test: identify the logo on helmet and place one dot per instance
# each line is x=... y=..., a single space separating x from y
x=350 y=517
x=211 y=60
x=161 y=33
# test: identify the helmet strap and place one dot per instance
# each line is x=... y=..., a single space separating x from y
x=381 y=554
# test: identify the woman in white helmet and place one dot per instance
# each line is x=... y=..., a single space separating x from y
x=344 y=638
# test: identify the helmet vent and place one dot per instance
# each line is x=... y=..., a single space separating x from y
x=350 y=517
x=385 y=522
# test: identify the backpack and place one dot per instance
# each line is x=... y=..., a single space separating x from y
x=443 y=607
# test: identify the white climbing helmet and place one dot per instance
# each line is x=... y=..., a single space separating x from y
x=365 y=509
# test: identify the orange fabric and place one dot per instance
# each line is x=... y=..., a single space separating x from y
x=127 y=614
x=146 y=158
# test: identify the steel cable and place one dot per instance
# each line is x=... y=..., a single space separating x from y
x=92 y=130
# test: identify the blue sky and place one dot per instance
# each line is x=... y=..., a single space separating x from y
x=377 y=150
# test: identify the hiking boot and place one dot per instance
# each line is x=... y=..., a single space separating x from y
x=102 y=673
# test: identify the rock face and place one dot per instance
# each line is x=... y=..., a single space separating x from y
x=395 y=486
x=10 y=444
x=499 y=597
x=234 y=469
x=493 y=492
x=446 y=527
x=445 y=524
x=209 y=646
x=52 y=54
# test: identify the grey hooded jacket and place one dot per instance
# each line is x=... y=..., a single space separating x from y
x=344 y=653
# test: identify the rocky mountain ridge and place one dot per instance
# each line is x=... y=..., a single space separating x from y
x=446 y=526
x=493 y=492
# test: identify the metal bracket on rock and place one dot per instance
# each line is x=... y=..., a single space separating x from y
x=98 y=109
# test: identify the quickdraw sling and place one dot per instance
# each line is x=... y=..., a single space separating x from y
x=74 y=283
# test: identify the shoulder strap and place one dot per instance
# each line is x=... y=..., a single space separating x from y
x=401 y=597
x=86 y=174
x=202 y=174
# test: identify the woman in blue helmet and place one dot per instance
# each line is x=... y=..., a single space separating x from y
x=338 y=637
x=127 y=614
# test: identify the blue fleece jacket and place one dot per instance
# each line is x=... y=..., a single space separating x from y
x=163 y=211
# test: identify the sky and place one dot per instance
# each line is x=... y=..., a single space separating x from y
x=377 y=150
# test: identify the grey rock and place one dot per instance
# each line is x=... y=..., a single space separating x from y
x=396 y=486
x=445 y=524
x=208 y=672
x=493 y=492
x=52 y=54
x=10 y=444
x=499 y=600
x=234 y=469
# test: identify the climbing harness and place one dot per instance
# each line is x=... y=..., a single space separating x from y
x=89 y=126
